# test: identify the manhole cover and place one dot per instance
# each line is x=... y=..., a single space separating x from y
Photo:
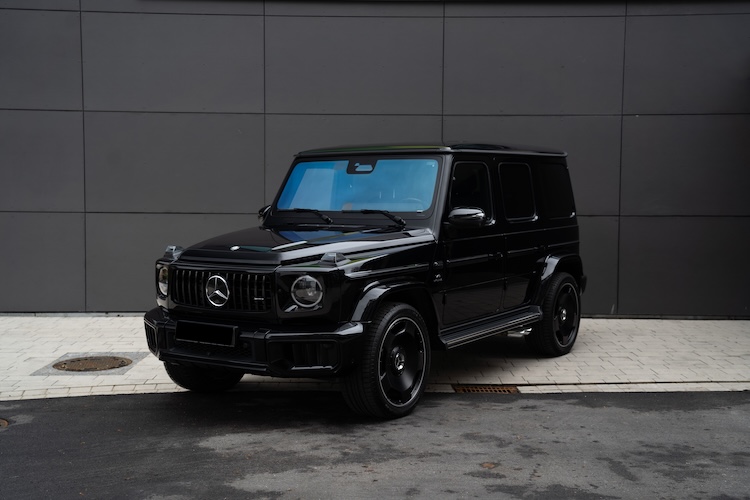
x=4 y=423
x=486 y=389
x=92 y=364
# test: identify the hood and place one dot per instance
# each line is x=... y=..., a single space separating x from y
x=278 y=246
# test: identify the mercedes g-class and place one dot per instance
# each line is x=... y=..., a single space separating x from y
x=368 y=258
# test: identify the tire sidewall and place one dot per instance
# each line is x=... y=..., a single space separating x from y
x=379 y=333
x=560 y=284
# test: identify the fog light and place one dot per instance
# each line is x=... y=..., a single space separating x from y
x=307 y=291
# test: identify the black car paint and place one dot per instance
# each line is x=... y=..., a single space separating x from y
x=460 y=278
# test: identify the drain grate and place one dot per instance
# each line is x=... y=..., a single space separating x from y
x=92 y=364
x=486 y=389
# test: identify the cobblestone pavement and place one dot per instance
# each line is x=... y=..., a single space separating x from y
x=611 y=355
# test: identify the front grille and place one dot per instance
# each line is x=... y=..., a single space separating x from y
x=241 y=353
x=247 y=291
x=150 y=337
x=311 y=354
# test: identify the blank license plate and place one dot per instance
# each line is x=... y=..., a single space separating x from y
x=205 y=333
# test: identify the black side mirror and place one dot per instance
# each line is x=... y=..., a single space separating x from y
x=467 y=217
x=263 y=212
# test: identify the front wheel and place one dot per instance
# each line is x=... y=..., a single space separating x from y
x=202 y=379
x=395 y=363
x=561 y=316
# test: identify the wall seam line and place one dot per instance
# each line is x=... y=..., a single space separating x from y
x=622 y=135
x=83 y=157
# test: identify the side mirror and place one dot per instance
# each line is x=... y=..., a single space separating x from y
x=263 y=212
x=467 y=217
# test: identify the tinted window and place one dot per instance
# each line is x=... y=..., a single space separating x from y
x=517 y=191
x=470 y=186
x=554 y=183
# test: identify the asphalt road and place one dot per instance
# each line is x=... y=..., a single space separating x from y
x=308 y=445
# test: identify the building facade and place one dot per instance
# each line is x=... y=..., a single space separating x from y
x=127 y=125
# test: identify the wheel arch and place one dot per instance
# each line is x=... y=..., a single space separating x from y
x=571 y=264
x=412 y=293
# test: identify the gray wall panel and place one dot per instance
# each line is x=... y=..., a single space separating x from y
x=688 y=64
x=686 y=8
x=425 y=8
x=684 y=266
x=353 y=65
x=234 y=7
x=40 y=4
x=532 y=9
x=126 y=125
x=161 y=162
x=41 y=161
x=138 y=62
x=42 y=265
x=526 y=66
x=122 y=249
x=686 y=165
x=599 y=254
x=592 y=143
x=40 y=60
x=289 y=134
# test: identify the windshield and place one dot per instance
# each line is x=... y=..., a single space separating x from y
x=391 y=184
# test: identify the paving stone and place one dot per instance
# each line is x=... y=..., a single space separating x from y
x=622 y=355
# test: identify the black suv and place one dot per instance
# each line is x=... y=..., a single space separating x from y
x=369 y=258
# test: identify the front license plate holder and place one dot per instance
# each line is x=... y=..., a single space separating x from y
x=205 y=333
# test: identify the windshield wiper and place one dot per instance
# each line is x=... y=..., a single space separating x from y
x=395 y=218
x=320 y=214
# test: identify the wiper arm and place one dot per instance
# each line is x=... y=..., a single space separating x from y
x=320 y=214
x=395 y=218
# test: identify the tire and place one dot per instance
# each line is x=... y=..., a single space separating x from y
x=392 y=372
x=557 y=331
x=202 y=379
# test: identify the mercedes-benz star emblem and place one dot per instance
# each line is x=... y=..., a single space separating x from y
x=217 y=290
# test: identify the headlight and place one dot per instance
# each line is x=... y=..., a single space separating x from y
x=307 y=291
x=162 y=280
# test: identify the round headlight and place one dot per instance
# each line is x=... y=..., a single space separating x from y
x=163 y=280
x=307 y=291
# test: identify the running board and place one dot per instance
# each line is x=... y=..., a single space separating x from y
x=488 y=329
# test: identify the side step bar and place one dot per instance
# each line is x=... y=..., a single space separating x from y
x=488 y=329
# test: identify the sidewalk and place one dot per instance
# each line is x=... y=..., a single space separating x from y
x=611 y=355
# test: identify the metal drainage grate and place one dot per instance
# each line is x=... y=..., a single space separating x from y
x=4 y=423
x=486 y=389
x=92 y=364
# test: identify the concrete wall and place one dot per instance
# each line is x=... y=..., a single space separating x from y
x=126 y=125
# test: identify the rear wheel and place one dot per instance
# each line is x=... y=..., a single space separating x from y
x=202 y=379
x=561 y=316
x=391 y=376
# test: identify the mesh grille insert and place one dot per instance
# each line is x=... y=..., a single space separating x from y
x=247 y=291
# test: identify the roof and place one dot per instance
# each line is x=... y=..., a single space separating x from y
x=432 y=148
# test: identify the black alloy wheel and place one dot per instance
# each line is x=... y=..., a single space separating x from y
x=395 y=364
x=561 y=316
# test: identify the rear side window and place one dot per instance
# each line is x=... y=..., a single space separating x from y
x=557 y=193
x=517 y=191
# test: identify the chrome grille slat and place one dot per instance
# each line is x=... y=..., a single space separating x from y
x=247 y=291
x=190 y=287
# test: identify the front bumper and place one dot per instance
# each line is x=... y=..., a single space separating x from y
x=289 y=352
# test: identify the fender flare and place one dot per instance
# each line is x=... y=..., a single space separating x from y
x=570 y=262
x=375 y=294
